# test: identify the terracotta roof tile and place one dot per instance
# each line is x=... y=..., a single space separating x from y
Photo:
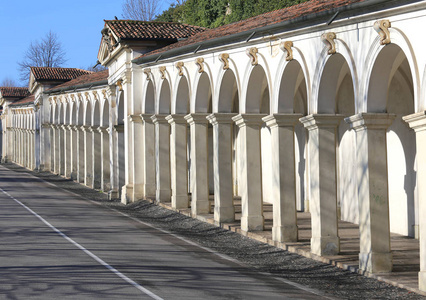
x=130 y=29
x=82 y=80
x=27 y=100
x=15 y=92
x=273 y=17
x=47 y=73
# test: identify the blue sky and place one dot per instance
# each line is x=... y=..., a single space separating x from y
x=78 y=24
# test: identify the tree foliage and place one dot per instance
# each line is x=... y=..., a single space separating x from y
x=47 y=52
x=144 y=10
x=214 y=13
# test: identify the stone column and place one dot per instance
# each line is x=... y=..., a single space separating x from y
x=87 y=131
x=375 y=251
x=56 y=149
x=162 y=158
x=68 y=153
x=224 y=210
x=138 y=160
x=283 y=176
x=61 y=129
x=148 y=146
x=74 y=151
x=80 y=156
x=96 y=155
x=199 y=163
x=178 y=160
x=105 y=159
x=251 y=171
x=323 y=197
x=417 y=122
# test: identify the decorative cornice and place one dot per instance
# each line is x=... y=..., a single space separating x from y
x=328 y=39
x=200 y=63
x=163 y=72
x=224 y=58
x=252 y=53
x=179 y=65
x=382 y=28
x=287 y=48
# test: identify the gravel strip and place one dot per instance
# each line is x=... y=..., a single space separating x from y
x=332 y=281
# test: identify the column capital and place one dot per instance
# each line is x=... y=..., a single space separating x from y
x=135 y=118
x=102 y=129
x=242 y=120
x=312 y=122
x=85 y=128
x=416 y=121
x=197 y=118
x=175 y=118
x=159 y=119
x=118 y=128
x=221 y=118
x=146 y=118
x=375 y=121
x=282 y=120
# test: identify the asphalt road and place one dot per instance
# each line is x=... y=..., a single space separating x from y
x=57 y=245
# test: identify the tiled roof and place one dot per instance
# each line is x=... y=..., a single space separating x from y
x=82 y=80
x=27 y=100
x=270 y=18
x=129 y=29
x=15 y=92
x=47 y=73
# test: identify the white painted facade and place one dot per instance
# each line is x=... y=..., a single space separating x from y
x=332 y=123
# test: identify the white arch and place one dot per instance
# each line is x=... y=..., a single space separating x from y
x=149 y=81
x=197 y=77
x=175 y=91
x=342 y=49
x=246 y=79
x=300 y=58
x=221 y=73
x=401 y=40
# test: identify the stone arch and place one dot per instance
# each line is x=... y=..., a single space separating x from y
x=228 y=93
x=164 y=98
x=105 y=114
x=73 y=117
x=80 y=108
x=392 y=89
x=372 y=62
x=96 y=114
x=254 y=99
x=88 y=114
x=67 y=113
x=201 y=99
x=120 y=108
x=148 y=104
x=180 y=104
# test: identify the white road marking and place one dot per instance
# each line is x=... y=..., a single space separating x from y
x=99 y=260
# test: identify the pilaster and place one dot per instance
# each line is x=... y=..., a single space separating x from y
x=283 y=176
x=251 y=171
x=375 y=251
x=148 y=140
x=323 y=202
x=138 y=161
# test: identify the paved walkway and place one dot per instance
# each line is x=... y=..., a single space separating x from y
x=405 y=250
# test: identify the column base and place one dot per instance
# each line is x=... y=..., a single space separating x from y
x=163 y=195
x=149 y=191
x=375 y=262
x=112 y=195
x=127 y=194
x=252 y=223
x=137 y=192
x=200 y=206
x=224 y=214
x=285 y=233
x=180 y=201
x=422 y=281
x=324 y=246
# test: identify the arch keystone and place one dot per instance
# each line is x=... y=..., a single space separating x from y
x=287 y=48
x=224 y=58
x=147 y=72
x=179 y=66
x=252 y=53
x=163 y=72
x=382 y=28
x=328 y=39
x=200 y=63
